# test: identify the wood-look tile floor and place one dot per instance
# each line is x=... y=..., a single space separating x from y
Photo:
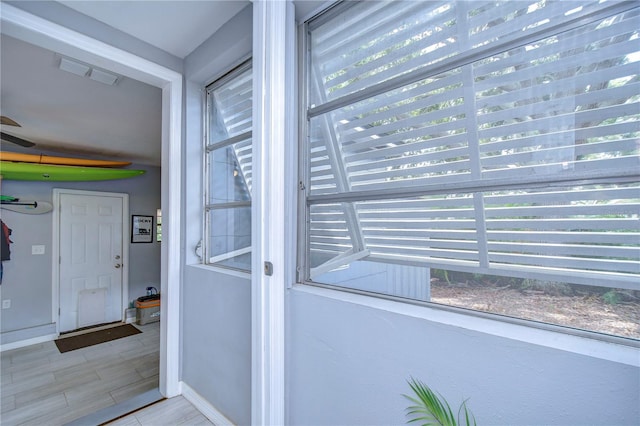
x=174 y=411
x=41 y=386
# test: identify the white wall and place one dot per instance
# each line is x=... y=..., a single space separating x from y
x=348 y=364
x=216 y=336
x=27 y=278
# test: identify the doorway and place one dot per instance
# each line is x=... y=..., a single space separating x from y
x=89 y=233
x=27 y=27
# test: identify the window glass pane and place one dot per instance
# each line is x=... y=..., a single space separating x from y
x=349 y=54
x=602 y=309
x=582 y=234
x=409 y=134
x=228 y=181
x=229 y=163
x=568 y=104
x=606 y=310
x=230 y=237
x=230 y=107
x=331 y=230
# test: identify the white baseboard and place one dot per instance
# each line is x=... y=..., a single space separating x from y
x=208 y=410
x=28 y=342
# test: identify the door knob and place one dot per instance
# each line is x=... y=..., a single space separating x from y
x=118 y=265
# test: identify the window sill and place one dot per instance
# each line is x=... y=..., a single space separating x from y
x=227 y=271
x=615 y=352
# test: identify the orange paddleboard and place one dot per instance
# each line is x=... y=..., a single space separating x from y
x=63 y=161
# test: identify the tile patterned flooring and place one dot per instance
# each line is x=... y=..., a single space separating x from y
x=41 y=386
x=174 y=411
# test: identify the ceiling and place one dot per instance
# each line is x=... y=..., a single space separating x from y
x=73 y=115
x=177 y=27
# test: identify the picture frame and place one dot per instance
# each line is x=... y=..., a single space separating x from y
x=141 y=229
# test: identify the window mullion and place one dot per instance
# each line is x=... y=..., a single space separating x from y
x=472 y=186
x=229 y=141
x=469 y=94
x=228 y=205
x=473 y=142
x=481 y=229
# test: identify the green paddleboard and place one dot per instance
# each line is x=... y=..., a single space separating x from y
x=47 y=172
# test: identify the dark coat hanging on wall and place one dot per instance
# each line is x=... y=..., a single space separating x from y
x=5 y=251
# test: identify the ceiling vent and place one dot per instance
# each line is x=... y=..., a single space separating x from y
x=84 y=70
x=103 y=77
x=74 y=67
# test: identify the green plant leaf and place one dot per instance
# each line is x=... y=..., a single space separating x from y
x=429 y=407
x=468 y=420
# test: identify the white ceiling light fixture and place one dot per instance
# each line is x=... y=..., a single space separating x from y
x=84 y=70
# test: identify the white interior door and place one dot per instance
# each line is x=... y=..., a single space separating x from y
x=91 y=260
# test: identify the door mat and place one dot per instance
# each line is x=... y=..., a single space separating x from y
x=66 y=344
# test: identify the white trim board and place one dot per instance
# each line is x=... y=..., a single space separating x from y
x=32 y=29
x=208 y=410
x=28 y=342
x=273 y=66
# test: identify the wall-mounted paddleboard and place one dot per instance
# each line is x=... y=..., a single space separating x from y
x=62 y=161
x=47 y=172
x=27 y=207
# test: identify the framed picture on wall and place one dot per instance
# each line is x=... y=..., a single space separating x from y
x=141 y=229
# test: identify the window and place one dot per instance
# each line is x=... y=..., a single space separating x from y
x=158 y=225
x=228 y=170
x=481 y=155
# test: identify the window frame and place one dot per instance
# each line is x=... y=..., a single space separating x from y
x=206 y=258
x=306 y=200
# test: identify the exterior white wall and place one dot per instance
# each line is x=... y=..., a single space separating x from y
x=386 y=278
x=349 y=364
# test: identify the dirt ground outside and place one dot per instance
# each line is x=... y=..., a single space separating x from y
x=587 y=311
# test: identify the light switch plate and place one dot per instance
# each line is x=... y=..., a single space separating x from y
x=37 y=249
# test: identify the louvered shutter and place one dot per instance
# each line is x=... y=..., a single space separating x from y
x=492 y=137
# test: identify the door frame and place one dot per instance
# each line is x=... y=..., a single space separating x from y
x=42 y=32
x=55 y=249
